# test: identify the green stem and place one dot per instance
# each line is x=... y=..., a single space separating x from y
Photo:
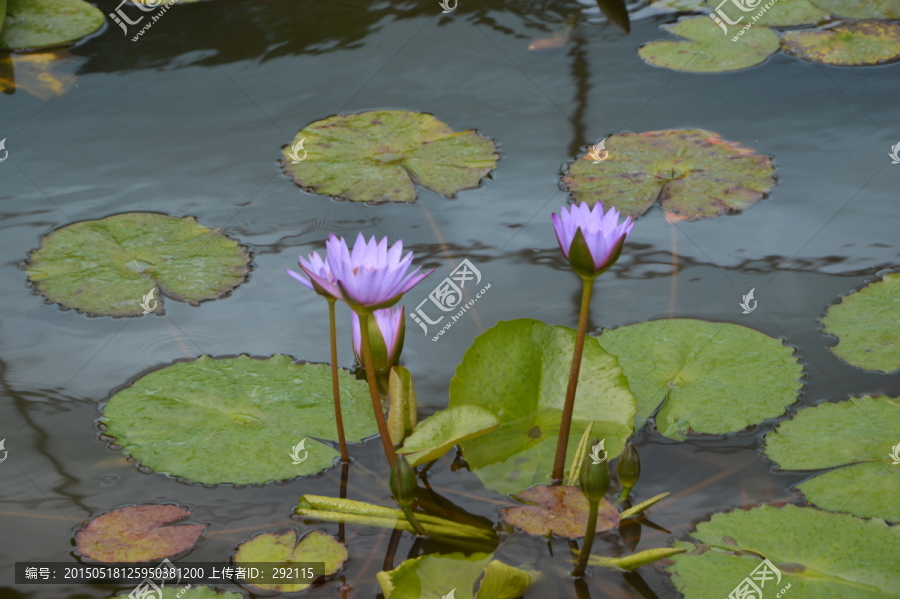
x=373 y=387
x=335 y=386
x=562 y=445
x=588 y=540
x=414 y=522
x=626 y=491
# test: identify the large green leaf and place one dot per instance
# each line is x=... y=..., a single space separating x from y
x=34 y=24
x=437 y=434
x=860 y=43
x=692 y=173
x=380 y=156
x=284 y=548
x=236 y=420
x=867 y=326
x=820 y=554
x=864 y=9
x=709 y=50
x=453 y=575
x=859 y=435
x=519 y=370
x=784 y=13
x=115 y=264
x=714 y=377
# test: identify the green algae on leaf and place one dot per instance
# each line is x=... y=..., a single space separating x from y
x=557 y=510
x=708 y=50
x=855 y=437
x=137 y=533
x=711 y=377
x=692 y=173
x=784 y=13
x=861 y=43
x=519 y=370
x=111 y=265
x=235 y=420
x=382 y=155
x=284 y=549
x=438 y=433
x=867 y=326
x=822 y=555
x=867 y=9
x=32 y=24
x=433 y=576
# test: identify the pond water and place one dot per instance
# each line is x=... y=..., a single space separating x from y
x=190 y=119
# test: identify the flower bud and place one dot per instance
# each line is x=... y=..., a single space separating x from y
x=628 y=469
x=594 y=480
x=403 y=482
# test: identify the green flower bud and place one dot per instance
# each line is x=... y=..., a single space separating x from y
x=628 y=469
x=403 y=482
x=594 y=480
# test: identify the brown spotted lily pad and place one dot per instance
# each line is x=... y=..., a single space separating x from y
x=557 y=510
x=284 y=549
x=137 y=533
x=381 y=156
x=692 y=173
x=861 y=43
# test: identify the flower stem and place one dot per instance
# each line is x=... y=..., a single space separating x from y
x=335 y=386
x=414 y=522
x=562 y=445
x=588 y=540
x=373 y=387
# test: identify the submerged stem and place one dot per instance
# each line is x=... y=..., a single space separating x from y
x=562 y=444
x=588 y=540
x=414 y=522
x=335 y=386
x=373 y=387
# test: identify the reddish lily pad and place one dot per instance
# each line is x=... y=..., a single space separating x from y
x=691 y=172
x=861 y=9
x=861 y=43
x=284 y=548
x=558 y=510
x=380 y=156
x=137 y=533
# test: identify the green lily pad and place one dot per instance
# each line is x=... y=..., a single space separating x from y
x=236 y=420
x=519 y=370
x=32 y=24
x=714 y=377
x=284 y=548
x=437 y=434
x=867 y=327
x=709 y=51
x=821 y=555
x=868 y=9
x=859 y=436
x=691 y=172
x=137 y=533
x=115 y=265
x=557 y=510
x=861 y=43
x=181 y=592
x=452 y=576
x=382 y=155
x=784 y=13
x=680 y=5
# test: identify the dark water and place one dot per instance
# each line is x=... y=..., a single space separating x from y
x=189 y=121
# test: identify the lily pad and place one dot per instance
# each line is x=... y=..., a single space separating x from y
x=382 y=155
x=859 y=436
x=180 y=592
x=519 y=370
x=691 y=172
x=861 y=43
x=137 y=533
x=437 y=434
x=284 y=548
x=869 y=9
x=557 y=510
x=867 y=327
x=113 y=266
x=434 y=576
x=34 y=24
x=680 y=5
x=714 y=377
x=784 y=13
x=709 y=51
x=819 y=554
x=236 y=420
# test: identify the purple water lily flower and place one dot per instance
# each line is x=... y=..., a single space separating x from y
x=320 y=278
x=590 y=239
x=387 y=344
